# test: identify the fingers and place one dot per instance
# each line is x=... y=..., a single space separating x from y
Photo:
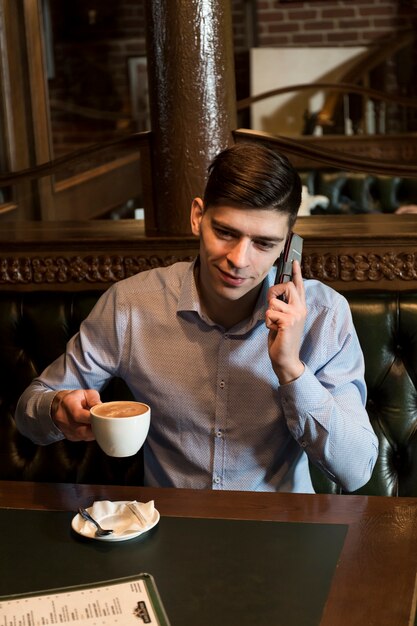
x=284 y=315
x=290 y=311
x=91 y=398
x=297 y=277
x=298 y=282
x=287 y=289
x=285 y=320
x=70 y=411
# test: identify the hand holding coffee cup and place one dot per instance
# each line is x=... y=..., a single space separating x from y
x=120 y=427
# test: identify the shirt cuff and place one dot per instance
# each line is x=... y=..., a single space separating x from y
x=50 y=432
x=303 y=398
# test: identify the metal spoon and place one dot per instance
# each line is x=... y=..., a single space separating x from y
x=100 y=532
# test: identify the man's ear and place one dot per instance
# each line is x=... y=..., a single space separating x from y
x=197 y=210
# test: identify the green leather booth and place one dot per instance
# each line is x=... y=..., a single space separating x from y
x=34 y=328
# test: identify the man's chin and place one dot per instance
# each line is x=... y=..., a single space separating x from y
x=233 y=294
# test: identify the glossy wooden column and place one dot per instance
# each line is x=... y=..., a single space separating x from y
x=192 y=100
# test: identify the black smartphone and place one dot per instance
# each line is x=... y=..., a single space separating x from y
x=292 y=252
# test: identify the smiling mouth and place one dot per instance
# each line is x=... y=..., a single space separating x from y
x=232 y=279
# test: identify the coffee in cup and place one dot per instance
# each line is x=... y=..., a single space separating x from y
x=120 y=408
x=120 y=427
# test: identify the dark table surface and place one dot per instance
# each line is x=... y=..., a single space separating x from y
x=216 y=557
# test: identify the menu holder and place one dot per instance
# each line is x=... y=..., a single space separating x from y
x=132 y=601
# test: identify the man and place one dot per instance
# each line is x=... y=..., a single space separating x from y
x=244 y=387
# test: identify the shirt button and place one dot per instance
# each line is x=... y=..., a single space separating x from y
x=304 y=444
x=222 y=384
x=216 y=480
x=219 y=433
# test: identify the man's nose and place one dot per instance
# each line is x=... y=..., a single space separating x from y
x=238 y=256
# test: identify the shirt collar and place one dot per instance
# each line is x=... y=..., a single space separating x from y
x=189 y=301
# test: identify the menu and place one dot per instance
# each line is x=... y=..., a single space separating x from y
x=126 y=601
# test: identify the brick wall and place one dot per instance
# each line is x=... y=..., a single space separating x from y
x=286 y=23
x=330 y=22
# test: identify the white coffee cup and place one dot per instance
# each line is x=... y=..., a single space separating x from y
x=120 y=427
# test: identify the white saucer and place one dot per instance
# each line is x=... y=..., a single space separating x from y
x=124 y=524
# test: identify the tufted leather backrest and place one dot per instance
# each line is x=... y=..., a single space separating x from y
x=386 y=323
x=34 y=328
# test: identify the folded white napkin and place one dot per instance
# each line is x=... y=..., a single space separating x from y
x=144 y=512
x=131 y=516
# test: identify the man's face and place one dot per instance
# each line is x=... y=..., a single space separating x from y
x=237 y=248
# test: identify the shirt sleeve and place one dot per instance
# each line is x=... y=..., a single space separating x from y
x=325 y=407
x=91 y=358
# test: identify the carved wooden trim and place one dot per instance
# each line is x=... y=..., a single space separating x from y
x=361 y=267
x=351 y=252
x=91 y=269
x=105 y=269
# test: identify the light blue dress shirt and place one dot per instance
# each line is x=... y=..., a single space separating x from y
x=220 y=419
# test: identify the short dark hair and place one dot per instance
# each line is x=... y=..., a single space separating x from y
x=253 y=176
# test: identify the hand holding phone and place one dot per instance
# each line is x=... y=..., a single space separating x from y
x=292 y=252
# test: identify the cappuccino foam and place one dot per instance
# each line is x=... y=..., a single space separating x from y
x=120 y=408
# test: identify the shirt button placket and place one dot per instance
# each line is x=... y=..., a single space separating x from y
x=220 y=414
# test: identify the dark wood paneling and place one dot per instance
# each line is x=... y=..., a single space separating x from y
x=346 y=252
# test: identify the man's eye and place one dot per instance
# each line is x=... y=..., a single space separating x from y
x=224 y=234
x=264 y=245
